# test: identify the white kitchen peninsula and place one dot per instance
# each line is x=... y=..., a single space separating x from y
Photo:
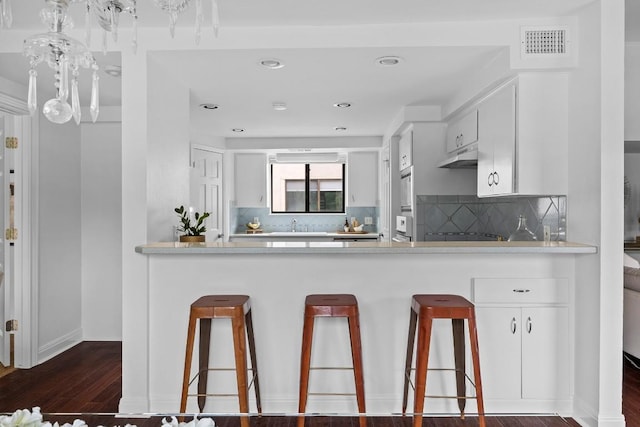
x=383 y=276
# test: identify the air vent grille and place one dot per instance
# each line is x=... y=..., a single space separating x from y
x=552 y=41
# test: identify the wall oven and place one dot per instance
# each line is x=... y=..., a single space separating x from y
x=406 y=190
x=404 y=229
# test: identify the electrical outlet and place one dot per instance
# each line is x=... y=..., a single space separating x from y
x=547 y=233
x=368 y=220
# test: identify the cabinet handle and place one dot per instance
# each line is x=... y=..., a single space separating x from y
x=522 y=291
x=261 y=197
x=513 y=325
x=496 y=178
x=353 y=198
x=529 y=324
x=461 y=139
x=489 y=183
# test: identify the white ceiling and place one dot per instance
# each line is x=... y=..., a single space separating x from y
x=312 y=79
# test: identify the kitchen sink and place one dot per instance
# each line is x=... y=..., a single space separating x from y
x=297 y=233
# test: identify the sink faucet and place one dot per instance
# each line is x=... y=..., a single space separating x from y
x=293 y=224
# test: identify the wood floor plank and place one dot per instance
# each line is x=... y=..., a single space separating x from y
x=87 y=379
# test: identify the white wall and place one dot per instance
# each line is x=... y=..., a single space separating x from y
x=632 y=211
x=168 y=153
x=594 y=212
x=101 y=195
x=632 y=92
x=60 y=231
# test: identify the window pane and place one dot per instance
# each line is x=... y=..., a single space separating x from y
x=287 y=187
x=324 y=181
x=325 y=195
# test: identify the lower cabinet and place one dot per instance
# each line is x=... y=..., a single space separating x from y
x=523 y=333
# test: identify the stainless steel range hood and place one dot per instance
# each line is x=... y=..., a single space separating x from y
x=463 y=159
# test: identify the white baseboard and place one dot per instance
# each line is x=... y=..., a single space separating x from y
x=59 y=345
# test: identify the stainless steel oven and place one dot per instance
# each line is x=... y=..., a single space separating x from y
x=404 y=229
x=406 y=190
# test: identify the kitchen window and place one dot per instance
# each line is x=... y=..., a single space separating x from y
x=307 y=187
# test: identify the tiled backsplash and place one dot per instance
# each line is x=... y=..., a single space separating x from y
x=470 y=218
x=304 y=222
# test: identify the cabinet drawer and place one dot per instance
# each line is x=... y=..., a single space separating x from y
x=520 y=291
x=463 y=131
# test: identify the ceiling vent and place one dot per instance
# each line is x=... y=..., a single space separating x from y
x=544 y=41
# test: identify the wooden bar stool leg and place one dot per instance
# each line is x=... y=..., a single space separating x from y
x=460 y=363
x=191 y=333
x=254 y=361
x=407 y=366
x=422 y=362
x=356 y=356
x=238 y=327
x=473 y=335
x=305 y=363
x=203 y=361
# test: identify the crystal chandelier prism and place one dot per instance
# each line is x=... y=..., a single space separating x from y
x=65 y=55
x=6 y=16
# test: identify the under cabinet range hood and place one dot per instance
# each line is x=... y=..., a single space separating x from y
x=467 y=158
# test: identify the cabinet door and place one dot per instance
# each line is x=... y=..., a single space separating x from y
x=497 y=143
x=462 y=131
x=405 y=150
x=362 y=179
x=250 y=179
x=499 y=335
x=545 y=353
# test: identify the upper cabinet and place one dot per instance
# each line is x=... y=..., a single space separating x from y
x=405 y=149
x=362 y=179
x=462 y=131
x=250 y=180
x=496 y=149
x=523 y=137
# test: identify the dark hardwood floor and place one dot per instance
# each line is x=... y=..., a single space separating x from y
x=87 y=380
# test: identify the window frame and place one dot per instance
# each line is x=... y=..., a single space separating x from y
x=307 y=167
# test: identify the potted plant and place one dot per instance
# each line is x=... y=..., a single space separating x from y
x=192 y=228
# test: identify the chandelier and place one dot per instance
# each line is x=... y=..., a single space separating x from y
x=63 y=54
x=66 y=55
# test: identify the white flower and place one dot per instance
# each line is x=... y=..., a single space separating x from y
x=173 y=422
x=22 y=418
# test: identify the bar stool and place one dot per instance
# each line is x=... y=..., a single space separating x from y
x=331 y=305
x=238 y=309
x=425 y=308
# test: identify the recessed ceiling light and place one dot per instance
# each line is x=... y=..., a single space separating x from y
x=279 y=106
x=209 y=106
x=237 y=130
x=342 y=104
x=113 y=70
x=388 y=61
x=272 y=63
x=340 y=128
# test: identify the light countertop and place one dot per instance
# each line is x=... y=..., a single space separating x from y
x=467 y=247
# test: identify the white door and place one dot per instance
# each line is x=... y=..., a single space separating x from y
x=4 y=289
x=545 y=353
x=206 y=188
x=385 y=208
x=499 y=328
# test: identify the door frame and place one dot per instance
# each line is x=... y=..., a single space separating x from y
x=24 y=278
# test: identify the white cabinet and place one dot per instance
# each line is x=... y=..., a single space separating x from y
x=523 y=137
x=405 y=149
x=250 y=179
x=362 y=179
x=523 y=331
x=497 y=143
x=462 y=131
